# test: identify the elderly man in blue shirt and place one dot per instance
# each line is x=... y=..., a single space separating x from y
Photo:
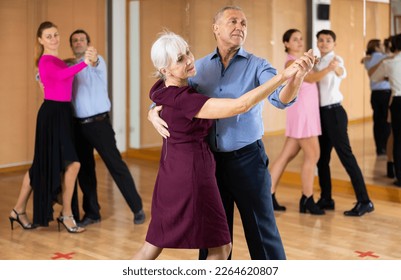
x=241 y=160
x=94 y=131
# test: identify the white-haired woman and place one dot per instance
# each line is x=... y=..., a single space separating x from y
x=187 y=211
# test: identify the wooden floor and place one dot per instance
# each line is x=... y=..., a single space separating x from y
x=305 y=237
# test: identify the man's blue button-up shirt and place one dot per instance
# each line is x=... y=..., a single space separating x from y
x=244 y=73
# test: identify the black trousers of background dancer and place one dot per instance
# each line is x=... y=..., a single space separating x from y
x=379 y=101
x=334 y=122
x=98 y=134
x=395 y=109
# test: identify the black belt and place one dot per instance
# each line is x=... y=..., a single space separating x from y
x=243 y=150
x=331 y=106
x=95 y=118
x=381 y=91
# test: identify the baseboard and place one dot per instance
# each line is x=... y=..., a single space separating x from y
x=387 y=193
x=145 y=153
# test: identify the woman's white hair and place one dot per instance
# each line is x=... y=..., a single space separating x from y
x=165 y=50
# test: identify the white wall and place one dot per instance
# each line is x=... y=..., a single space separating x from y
x=317 y=24
x=119 y=75
x=135 y=81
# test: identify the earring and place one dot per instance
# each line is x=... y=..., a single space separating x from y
x=163 y=72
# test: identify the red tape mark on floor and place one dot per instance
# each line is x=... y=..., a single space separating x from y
x=58 y=255
x=366 y=254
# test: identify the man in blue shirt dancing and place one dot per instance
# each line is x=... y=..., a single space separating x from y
x=241 y=160
x=93 y=130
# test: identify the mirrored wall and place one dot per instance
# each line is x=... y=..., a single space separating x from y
x=355 y=23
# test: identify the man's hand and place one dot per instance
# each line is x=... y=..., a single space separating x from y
x=305 y=64
x=333 y=64
x=91 y=55
x=295 y=74
x=300 y=67
x=159 y=124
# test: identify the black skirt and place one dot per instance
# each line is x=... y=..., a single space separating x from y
x=54 y=151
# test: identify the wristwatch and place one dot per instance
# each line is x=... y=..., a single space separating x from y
x=152 y=106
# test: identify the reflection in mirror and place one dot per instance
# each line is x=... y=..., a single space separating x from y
x=360 y=21
x=352 y=38
x=376 y=161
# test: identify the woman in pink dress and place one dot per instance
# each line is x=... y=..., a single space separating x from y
x=55 y=165
x=302 y=129
x=187 y=211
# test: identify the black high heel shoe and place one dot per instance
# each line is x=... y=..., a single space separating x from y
x=74 y=229
x=12 y=220
x=307 y=204
x=276 y=206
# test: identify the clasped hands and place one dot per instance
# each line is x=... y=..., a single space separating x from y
x=91 y=56
x=301 y=66
x=333 y=64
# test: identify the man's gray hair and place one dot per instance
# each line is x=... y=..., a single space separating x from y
x=222 y=10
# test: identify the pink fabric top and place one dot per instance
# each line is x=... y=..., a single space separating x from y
x=57 y=77
x=303 y=117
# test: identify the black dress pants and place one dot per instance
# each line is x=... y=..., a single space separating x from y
x=379 y=101
x=244 y=180
x=334 y=134
x=100 y=135
x=395 y=109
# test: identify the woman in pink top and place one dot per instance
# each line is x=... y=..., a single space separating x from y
x=302 y=129
x=55 y=165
